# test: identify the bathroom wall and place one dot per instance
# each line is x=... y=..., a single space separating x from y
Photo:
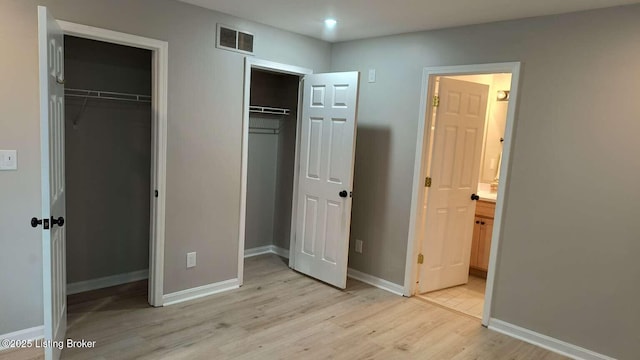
x=495 y=124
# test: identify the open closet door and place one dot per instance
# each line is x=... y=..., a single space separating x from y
x=51 y=67
x=325 y=176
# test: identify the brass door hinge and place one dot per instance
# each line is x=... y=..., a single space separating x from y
x=436 y=101
x=427 y=182
x=420 y=259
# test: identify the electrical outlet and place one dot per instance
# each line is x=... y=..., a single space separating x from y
x=191 y=259
x=8 y=160
x=358 y=248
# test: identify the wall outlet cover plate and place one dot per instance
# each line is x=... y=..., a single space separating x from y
x=8 y=160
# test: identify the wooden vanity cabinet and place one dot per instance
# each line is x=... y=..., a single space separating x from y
x=481 y=242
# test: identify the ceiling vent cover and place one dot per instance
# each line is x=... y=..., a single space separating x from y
x=234 y=40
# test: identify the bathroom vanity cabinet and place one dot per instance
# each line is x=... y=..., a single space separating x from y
x=481 y=242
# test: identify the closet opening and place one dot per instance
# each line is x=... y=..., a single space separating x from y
x=271 y=159
x=108 y=168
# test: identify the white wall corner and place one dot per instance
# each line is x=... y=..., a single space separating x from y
x=257 y=251
x=376 y=282
x=544 y=341
x=269 y=249
x=280 y=251
x=36 y=332
x=200 y=291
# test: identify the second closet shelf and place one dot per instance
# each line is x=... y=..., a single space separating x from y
x=268 y=110
x=106 y=95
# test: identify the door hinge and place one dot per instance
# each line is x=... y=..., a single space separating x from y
x=420 y=259
x=436 y=101
x=427 y=182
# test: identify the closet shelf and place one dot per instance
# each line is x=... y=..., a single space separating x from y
x=106 y=95
x=265 y=125
x=268 y=110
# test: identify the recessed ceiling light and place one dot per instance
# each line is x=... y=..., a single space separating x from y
x=330 y=23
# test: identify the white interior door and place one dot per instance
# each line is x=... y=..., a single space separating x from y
x=325 y=176
x=455 y=167
x=51 y=64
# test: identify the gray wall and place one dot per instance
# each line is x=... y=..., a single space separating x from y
x=91 y=64
x=286 y=163
x=567 y=265
x=262 y=164
x=204 y=132
x=21 y=255
x=108 y=161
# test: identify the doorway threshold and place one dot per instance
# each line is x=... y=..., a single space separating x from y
x=467 y=299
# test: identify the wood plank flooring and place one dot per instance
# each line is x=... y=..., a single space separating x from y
x=280 y=314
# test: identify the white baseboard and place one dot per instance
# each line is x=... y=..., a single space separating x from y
x=544 y=341
x=200 y=291
x=269 y=249
x=258 y=251
x=375 y=281
x=280 y=251
x=206 y=290
x=107 y=281
x=36 y=332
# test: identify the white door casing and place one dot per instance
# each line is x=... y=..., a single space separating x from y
x=327 y=152
x=256 y=63
x=455 y=166
x=160 y=70
x=51 y=72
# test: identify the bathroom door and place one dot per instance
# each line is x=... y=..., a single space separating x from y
x=455 y=168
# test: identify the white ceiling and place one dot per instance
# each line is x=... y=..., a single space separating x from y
x=359 y=19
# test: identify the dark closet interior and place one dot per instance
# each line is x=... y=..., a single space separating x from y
x=108 y=162
x=271 y=158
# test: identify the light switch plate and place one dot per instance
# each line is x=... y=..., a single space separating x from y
x=8 y=160
x=191 y=259
x=358 y=248
x=372 y=75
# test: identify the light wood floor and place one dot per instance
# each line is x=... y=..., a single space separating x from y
x=467 y=298
x=280 y=314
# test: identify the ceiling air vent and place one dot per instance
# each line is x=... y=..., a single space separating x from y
x=234 y=40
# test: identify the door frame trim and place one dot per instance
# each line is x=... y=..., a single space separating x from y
x=422 y=147
x=160 y=72
x=251 y=63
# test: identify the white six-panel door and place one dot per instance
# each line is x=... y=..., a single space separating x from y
x=455 y=167
x=327 y=151
x=51 y=66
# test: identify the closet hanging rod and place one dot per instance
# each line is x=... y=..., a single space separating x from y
x=264 y=131
x=268 y=110
x=107 y=95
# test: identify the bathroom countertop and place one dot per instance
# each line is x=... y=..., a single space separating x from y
x=487 y=196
